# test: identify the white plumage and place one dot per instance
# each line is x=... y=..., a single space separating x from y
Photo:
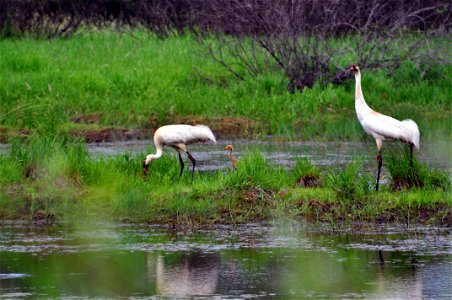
x=178 y=137
x=382 y=127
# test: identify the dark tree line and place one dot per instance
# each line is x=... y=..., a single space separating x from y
x=51 y=18
x=300 y=37
x=295 y=36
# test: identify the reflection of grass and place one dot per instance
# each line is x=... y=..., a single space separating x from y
x=141 y=82
x=55 y=178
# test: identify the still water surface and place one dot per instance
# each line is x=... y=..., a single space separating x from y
x=284 y=259
x=212 y=157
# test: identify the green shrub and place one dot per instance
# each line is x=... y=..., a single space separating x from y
x=404 y=173
x=10 y=171
x=416 y=175
x=305 y=174
x=166 y=169
x=253 y=171
x=437 y=179
x=347 y=183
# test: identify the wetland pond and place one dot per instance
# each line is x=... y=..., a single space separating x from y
x=212 y=157
x=277 y=259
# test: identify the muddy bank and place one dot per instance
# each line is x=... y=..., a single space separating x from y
x=250 y=205
x=227 y=127
x=223 y=127
x=7 y=133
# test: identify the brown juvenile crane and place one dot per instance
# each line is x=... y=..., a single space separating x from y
x=234 y=161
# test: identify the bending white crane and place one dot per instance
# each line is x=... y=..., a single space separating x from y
x=383 y=127
x=178 y=137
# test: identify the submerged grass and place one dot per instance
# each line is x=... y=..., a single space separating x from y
x=139 y=81
x=56 y=179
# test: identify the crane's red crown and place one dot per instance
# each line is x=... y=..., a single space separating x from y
x=354 y=68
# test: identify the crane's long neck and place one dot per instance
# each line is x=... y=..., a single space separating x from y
x=158 y=154
x=360 y=104
x=231 y=157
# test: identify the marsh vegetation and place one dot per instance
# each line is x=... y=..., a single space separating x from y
x=77 y=77
x=56 y=179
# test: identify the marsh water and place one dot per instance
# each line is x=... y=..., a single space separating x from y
x=211 y=157
x=278 y=259
x=283 y=152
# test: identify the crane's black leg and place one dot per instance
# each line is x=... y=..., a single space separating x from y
x=193 y=160
x=411 y=155
x=181 y=164
x=380 y=163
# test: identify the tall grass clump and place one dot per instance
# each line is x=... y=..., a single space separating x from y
x=132 y=199
x=38 y=153
x=48 y=173
x=10 y=171
x=407 y=173
x=254 y=171
x=305 y=174
x=349 y=184
x=166 y=170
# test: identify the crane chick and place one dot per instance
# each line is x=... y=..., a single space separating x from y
x=234 y=161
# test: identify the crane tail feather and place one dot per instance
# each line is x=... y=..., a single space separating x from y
x=412 y=133
x=205 y=132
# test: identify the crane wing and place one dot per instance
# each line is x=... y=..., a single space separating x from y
x=384 y=126
x=172 y=135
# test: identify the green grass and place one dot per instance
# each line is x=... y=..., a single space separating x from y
x=56 y=179
x=139 y=81
x=406 y=173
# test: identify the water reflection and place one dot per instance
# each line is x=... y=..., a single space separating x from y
x=409 y=285
x=186 y=274
x=247 y=261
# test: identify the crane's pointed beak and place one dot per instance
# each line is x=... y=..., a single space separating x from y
x=145 y=168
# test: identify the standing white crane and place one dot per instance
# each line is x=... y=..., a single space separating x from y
x=178 y=137
x=383 y=127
